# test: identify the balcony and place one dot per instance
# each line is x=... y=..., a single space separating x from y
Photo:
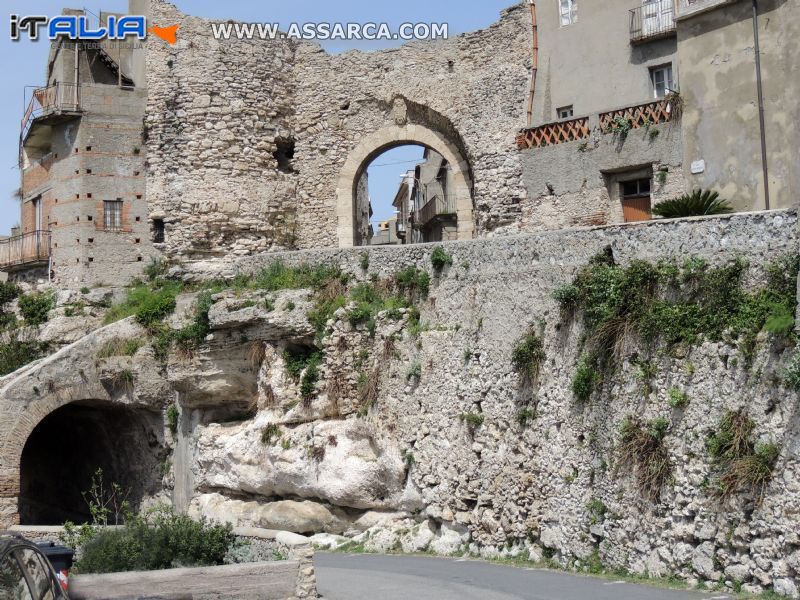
x=50 y=104
x=554 y=133
x=26 y=250
x=654 y=20
x=436 y=207
x=562 y=132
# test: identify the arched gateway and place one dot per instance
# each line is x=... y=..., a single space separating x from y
x=385 y=139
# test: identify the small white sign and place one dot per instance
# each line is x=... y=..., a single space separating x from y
x=698 y=166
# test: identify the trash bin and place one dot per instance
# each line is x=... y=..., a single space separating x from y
x=61 y=559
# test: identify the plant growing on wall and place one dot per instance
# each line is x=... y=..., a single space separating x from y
x=742 y=464
x=440 y=258
x=675 y=105
x=642 y=448
x=35 y=307
x=696 y=204
x=528 y=355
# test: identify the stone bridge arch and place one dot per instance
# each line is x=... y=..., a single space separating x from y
x=404 y=131
x=67 y=415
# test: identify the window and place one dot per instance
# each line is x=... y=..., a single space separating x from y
x=13 y=585
x=661 y=78
x=569 y=12
x=112 y=215
x=638 y=188
x=565 y=112
x=158 y=231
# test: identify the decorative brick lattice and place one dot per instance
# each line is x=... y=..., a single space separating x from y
x=553 y=133
x=643 y=115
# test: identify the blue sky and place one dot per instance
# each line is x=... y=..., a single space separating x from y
x=23 y=63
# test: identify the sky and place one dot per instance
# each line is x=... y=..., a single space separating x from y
x=23 y=63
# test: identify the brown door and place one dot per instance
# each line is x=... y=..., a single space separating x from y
x=636 y=209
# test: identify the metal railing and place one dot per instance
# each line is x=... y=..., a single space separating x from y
x=436 y=206
x=653 y=19
x=19 y=250
x=61 y=97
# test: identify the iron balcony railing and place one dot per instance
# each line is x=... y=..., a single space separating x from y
x=60 y=97
x=435 y=207
x=652 y=20
x=25 y=249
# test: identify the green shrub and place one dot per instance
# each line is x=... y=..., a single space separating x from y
x=528 y=355
x=586 y=379
x=148 y=304
x=156 y=269
x=119 y=347
x=414 y=372
x=440 y=258
x=525 y=416
x=278 y=276
x=642 y=449
x=679 y=305
x=678 y=398
x=740 y=463
x=193 y=334
x=18 y=350
x=173 y=415
x=270 y=434
x=413 y=281
x=597 y=510
x=35 y=307
x=364 y=261
x=567 y=297
x=308 y=384
x=780 y=320
x=160 y=539
x=472 y=420
x=697 y=203
x=791 y=375
x=8 y=291
x=298 y=359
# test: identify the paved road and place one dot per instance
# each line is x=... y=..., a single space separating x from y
x=376 y=577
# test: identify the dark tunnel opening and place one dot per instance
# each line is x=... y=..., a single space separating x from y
x=69 y=445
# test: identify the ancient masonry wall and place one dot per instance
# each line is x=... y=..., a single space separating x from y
x=218 y=111
x=506 y=486
x=408 y=470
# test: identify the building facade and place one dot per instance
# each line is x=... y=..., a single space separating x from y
x=82 y=161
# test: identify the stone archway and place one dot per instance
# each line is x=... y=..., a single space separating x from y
x=72 y=388
x=384 y=139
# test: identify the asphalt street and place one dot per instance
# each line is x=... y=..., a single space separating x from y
x=377 y=577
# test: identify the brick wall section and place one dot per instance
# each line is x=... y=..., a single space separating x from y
x=99 y=156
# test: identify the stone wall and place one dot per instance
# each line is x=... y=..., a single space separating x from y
x=382 y=451
x=218 y=110
x=504 y=487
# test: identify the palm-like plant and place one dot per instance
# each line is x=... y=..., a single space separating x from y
x=696 y=204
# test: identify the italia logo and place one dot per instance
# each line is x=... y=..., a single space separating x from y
x=77 y=27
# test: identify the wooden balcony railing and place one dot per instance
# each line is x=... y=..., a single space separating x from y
x=435 y=207
x=554 y=133
x=25 y=249
x=61 y=97
x=643 y=115
x=652 y=20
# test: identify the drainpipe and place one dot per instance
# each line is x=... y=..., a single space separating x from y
x=761 y=117
x=535 y=66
